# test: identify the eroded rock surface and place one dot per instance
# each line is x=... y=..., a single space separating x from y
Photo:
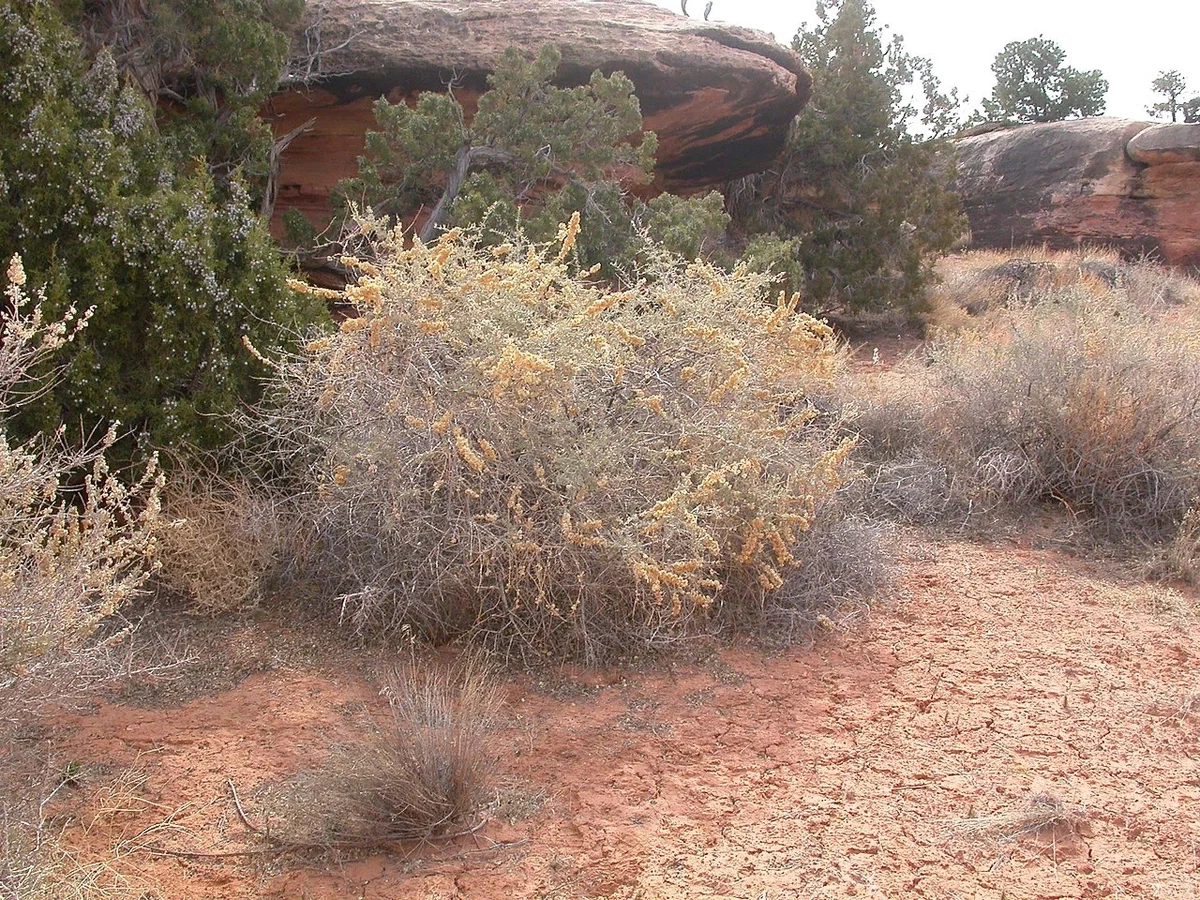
x=1132 y=185
x=721 y=98
x=1166 y=144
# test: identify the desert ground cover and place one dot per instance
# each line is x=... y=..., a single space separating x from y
x=1009 y=722
x=493 y=491
x=937 y=639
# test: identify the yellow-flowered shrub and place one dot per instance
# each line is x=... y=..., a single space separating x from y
x=75 y=543
x=502 y=445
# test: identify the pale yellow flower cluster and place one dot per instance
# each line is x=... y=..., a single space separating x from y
x=67 y=563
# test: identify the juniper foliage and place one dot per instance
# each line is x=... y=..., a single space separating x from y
x=869 y=201
x=106 y=210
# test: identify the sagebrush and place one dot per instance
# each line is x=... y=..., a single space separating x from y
x=500 y=446
x=76 y=542
x=969 y=285
x=1080 y=389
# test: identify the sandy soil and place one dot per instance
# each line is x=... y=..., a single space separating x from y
x=847 y=770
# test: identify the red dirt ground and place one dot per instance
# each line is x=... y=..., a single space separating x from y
x=996 y=673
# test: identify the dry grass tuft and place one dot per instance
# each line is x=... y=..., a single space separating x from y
x=41 y=863
x=225 y=541
x=426 y=770
x=1040 y=812
x=503 y=447
x=1075 y=396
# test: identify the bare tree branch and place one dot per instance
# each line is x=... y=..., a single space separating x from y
x=307 y=64
x=271 y=194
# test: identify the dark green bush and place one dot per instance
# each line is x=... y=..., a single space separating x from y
x=105 y=214
x=534 y=155
x=868 y=199
x=690 y=227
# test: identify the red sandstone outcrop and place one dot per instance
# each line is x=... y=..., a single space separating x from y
x=1131 y=185
x=721 y=98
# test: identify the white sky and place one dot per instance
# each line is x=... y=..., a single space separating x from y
x=1129 y=42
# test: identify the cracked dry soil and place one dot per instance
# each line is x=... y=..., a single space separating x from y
x=996 y=674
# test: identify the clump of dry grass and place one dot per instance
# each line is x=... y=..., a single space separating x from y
x=1039 y=812
x=225 y=542
x=502 y=446
x=1080 y=399
x=972 y=284
x=427 y=769
x=88 y=853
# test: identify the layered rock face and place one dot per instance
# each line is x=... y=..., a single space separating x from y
x=1132 y=185
x=720 y=98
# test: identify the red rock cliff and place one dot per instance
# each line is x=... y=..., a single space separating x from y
x=721 y=98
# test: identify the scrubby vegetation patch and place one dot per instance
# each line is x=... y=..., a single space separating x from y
x=500 y=445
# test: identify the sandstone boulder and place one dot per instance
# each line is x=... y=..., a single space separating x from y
x=1165 y=144
x=1084 y=181
x=721 y=98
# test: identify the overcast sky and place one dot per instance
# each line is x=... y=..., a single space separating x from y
x=1129 y=42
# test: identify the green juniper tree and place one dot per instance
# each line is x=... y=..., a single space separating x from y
x=1033 y=84
x=533 y=154
x=1172 y=86
x=113 y=210
x=529 y=141
x=208 y=68
x=942 y=112
x=868 y=201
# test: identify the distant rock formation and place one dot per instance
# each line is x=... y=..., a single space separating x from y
x=1132 y=185
x=721 y=98
x=1161 y=145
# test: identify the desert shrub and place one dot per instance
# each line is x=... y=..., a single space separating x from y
x=75 y=543
x=971 y=284
x=777 y=256
x=1077 y=399
x=501 y=446
x=1180 y=559
x=1152 y=286
x=425 y=769
x=845 y=566
x=225 y=541
x=690 y=227
x=72 y=550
